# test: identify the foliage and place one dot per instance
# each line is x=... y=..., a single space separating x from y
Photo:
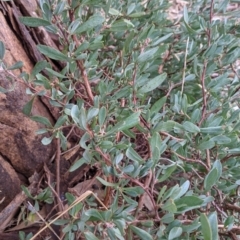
x=156 y=101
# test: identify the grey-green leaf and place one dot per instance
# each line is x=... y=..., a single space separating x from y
x=206 y=145
x=53 y=53
x=153 y=83
x=102 y=115
x=213 y=224
x=39 y=67
x=28 y=107
x=133 y=155
x=16 y=65
x=34 y=22
x=147 y=56
x=91 y=23
x=175 y=232
x=90 y=236
x=190 y=127
x=129 y=122
x=141 y=233
x=42 y=120
x=2 y=50
x=206 y=228
x=211 y=179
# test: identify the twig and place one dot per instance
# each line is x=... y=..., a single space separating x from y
x=185 y=65
x=58 y=155
x=208 y=159
x=192 y=160
x=39 y=215
x=78 y=200
x=172 y=137
x=134 y=82
x=203 y=76
x=146 y=185
x=81 y=65
x=223 y=160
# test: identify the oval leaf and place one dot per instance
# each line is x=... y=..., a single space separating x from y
x=91 y=23
x=147 y=56
x=206 y=228
x=153 y=84
x=175 y=232
x=141 y=233
x=52 y=53
x=211 y=179
x=190 y=127
x=34 y=22
x=2 y=50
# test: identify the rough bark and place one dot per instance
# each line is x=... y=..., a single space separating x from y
x=21 y=151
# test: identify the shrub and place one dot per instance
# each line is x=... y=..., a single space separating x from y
x=156 y=101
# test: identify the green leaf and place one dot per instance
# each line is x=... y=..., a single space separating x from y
x=105 y=183
x=188 y=203
x=94 y=213
x=233 y=151
x=168 y=218
x=153 y=83
x=42 y=120
x=221 y=139
x=83 y=119
x=34 y=22
x=183 y=189
x=141 y=233
x=129 y=122
x=39 y=67
x=17 y=65
x=162 y=39
x=26 y=191
x=2 y=50
x=206 y=145
x=137 y=15
x=75 y=113
x=114 y=12
x=106 y=145
x=206 y=228
x=102 y=115
x=77 y=164
x=170 y=206
x=92 y=112
x=54 y=73
x=175 y=232
x=213 y=221
x=121 y=25
x=212 y=130
x=61 y=120
x=190 y=127
x=211 y=179
x=91 y=23
x=157 y=106
x=133 y=155
x=46 y=140
x=90 y=236
x=218 y=165
x=148 y=55
x=28 y=107
x=133 y=191
x=165 y=126
x=167 y=173
x=43 y=81
x=53 y=53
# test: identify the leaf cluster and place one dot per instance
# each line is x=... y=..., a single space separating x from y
x=157 y=104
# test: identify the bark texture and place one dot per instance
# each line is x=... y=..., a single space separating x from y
x=21 y=151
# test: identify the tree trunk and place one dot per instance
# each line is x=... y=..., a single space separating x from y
x=21 y=151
